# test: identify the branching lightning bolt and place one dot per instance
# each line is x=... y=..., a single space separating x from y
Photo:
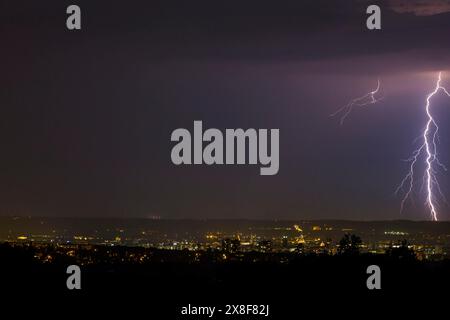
x=428 y=149
x=367 y=99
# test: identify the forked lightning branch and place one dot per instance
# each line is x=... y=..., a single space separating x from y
x=426 y=153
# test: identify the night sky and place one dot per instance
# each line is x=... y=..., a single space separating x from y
x=86 y=116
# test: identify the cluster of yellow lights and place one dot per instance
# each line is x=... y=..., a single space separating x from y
x=211 y=236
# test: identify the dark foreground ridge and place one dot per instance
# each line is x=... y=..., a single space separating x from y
x=166 y=280
x=162 y=265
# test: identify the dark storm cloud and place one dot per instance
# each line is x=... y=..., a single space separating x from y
x=257 y=31
x=297 y=31
x=420 y=7
x=86 y=116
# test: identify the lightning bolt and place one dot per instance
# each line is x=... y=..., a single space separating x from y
x=367 y=99
x=428 y=150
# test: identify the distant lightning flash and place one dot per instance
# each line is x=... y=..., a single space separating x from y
x=368 y=98
x=429 y=149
